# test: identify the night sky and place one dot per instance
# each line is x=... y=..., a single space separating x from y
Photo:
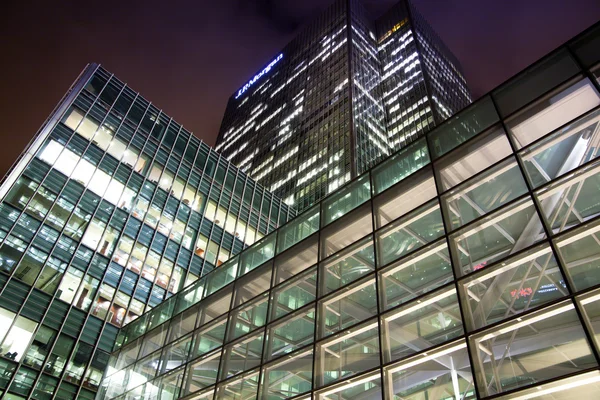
x=188 y=57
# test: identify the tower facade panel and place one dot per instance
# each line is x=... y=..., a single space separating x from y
x=290 y=129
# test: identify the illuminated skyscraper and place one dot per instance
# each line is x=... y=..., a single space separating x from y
x=346 y=92
x=111 y=209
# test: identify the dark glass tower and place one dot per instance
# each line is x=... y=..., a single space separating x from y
x=421 y=80
x=112 y=208
x=346 y=92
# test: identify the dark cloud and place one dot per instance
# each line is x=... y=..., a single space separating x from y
x=188 y=56
x=273 y=13
x=286 y=15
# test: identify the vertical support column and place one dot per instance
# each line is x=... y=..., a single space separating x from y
x=353 y=141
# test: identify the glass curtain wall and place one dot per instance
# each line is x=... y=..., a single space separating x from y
x=113 y=209
x=470 y=270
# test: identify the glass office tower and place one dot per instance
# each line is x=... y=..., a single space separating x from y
x=112 y=208
x=346 y=92
x=464 y=266
x=422 y=83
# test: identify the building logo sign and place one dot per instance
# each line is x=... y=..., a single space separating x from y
x=258 y=76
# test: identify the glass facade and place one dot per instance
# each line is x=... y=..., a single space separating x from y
x=111 y=210
x=344 y=94
x=422 y=82
x=464 y=266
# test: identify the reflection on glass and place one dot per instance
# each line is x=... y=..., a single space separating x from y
x=242 y=355
x=346 y=199
x=170 y=385
x=347 y=307
x=73 y=118
x=543 y=345
x=472 y=158
x=408 y=160
x=60 y=213
x=252 y=284
x=404 y=197
x=563 y=151
x=183 y=323
x=176 y=354
x=60 y=353
x=77 y=223
x=404 y=163
x=571 y=200
x=578 y=387
x=258 y=254
x=153 y=341
x=291 y=333
x=39 y=348
x=579 y=251
x=410 y=232
x=11 y=252
x=417 y=274
x=590 y=306
x=291 y=263
x=347 y=266
x=298 y=229
x=144 y=369
x=86 y=292
x=103 y=299
x=362 y=387
x=485 y=193
x=140 y=208
x=161 y=313
x=553 y=111
x=244 y=387
x=107 y=244
x=288 y=377
x=248 y=317
x=209 y=337
x=294 y=294
x=222 y=276
x=41 y=202
x=421 y=324
x=511 y=287
x=50 y=276
x=463 y=126
x=123 y=250
x=346 y=231
x=498 y=235
x=79 y=360
x=348 y=353
x=30 y=266
x=202 y=373
x=128 y=355
x=17 y=339
x=535 y=81
x=21 y=192
x=444 y=373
